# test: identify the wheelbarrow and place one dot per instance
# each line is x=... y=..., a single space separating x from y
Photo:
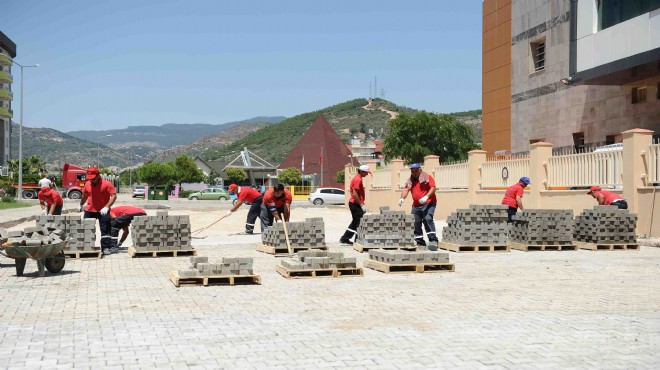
x=49 y=257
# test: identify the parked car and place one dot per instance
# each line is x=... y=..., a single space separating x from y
x=138 y=191
x=213 y=193
x=327 y=195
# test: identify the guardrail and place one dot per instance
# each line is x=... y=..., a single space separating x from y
x=585 y=169
x=452 y=176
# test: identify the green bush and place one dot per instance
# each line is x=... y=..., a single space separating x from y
x=185 y=193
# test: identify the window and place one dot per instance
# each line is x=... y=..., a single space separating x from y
x=538 y=54
x=613 y=12
x=326 y=191
x=638 y=95
x=578 y=141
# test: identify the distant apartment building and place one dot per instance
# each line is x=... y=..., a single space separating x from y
x=574 y=73
x=7 y=53
x=363 y=150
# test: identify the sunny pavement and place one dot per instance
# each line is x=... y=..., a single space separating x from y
x=504 y=310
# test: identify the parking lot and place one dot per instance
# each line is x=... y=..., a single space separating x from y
x=577 y=309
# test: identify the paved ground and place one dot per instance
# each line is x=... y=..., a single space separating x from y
x=509 y=310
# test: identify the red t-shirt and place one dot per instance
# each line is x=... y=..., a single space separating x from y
x=53 y=197
x=248 y=194
x=270 y=199
x=356 y=183
x=126 y=210
x=514 y=191
x=609 y=197
x=99 y=195
x=420 y=187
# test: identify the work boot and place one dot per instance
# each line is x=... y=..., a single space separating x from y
x=433 y=245
x=106 y=251
x=345 y=241
x=114 y=250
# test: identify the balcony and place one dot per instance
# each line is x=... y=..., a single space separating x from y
x=6 y=95
x=5 y=60
x=6 y=113
x=6 y=77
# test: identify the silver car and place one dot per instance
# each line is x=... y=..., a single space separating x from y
x=327 y=196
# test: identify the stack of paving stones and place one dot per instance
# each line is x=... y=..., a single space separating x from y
x=81 y=233
x=479 y=224
x=316 y=260
x=33 y=236
x=408 y=258
x=389 y=228
x=605 y=225
x=161 y=233
x=200 y=266
x=307 y=234
x=543 y=227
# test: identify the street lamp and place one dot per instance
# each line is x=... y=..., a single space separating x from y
x=20 y=136
x=98 y=149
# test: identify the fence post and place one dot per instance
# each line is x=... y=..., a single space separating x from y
x=635 y=142
x=539 y=154
x=475 y=159
x=431 y=162
x=348 y=176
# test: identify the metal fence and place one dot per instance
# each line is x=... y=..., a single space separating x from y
x=452 y=176
x=600 y=167
x=501 y=173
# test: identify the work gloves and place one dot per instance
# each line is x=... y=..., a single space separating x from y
x=364 y=208
x=401 y=202
x=423 y=199
x=80 y=208
x=104 y=211
x=46 y=212
x=228 y=213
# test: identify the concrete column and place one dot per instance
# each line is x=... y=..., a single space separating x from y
x=539 y=154
x=348 y=176
x=635 y=143
x=475 y=159
x=398 y=171
x=431 y=162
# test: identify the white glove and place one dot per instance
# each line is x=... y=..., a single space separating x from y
x=401 y=202
x=364 y=208
x=80 y=208
x=229 y=213
x=46 y=211
x=423 y=199
x=104 y=211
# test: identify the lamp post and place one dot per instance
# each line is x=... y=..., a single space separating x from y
x=20 y=136
x=98 y=149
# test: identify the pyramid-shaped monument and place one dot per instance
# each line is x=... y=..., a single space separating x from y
x=320 y=147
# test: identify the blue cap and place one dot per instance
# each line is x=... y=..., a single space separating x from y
x=525 y=180
x=415 y=165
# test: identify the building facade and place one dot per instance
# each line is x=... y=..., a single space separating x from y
x=581 y=71
x=7 y=53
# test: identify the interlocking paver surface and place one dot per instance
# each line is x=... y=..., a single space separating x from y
x=579 y=309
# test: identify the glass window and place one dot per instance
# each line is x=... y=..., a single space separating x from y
x=538 y=54
x=638 y=95
x=613 y=12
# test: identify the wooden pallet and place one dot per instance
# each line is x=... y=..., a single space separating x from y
x=171 y=253
x=542 y=247
x=405 y=268
x=607 y=246
x=214 y=280
x=284 y=250
x=474 y=247
x=318 y=273
x=361 y=248
x=84 y=255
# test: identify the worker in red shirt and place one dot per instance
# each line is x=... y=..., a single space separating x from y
x=100 y=195
x=356 y=204
x=250 y=196
x=606 y=198
x=121 y=217
x=513 y=197
x=276 y=204
x=50 y=200
x=422 y=187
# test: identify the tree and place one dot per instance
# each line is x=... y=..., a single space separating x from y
x=235 y=175
x=291 y=176
x=157 y=173
x=341 y=176
x=212 y=178
x=106 y=171
x=413 y=137
x=187 y=170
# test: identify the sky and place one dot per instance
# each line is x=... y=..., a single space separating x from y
x=120 y=63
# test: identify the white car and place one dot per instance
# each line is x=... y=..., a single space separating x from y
x=327 y=195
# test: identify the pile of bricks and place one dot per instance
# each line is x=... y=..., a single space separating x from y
x=389 y=228
x=479 y=224
x=606 y=224
x=80 y=232
x=543 y=227
x=33 y=236
x=408 y=258
x=200 y=266
x=307 y=234
x=316 y=260
x=161 y=233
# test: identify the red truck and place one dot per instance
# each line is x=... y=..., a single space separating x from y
x=73 y=181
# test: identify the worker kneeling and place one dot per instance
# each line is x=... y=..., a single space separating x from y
x=276 y=204
x=122 y=217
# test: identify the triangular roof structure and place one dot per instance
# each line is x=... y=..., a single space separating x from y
x=319 y=143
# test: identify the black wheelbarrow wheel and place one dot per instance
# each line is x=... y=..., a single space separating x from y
x=55 y=264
